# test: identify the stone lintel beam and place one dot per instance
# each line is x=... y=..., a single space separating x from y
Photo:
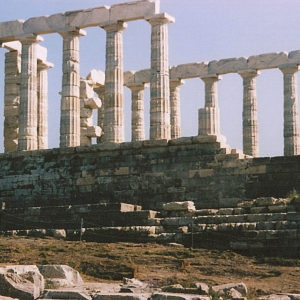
x=97 y=16
x=291 y=114
x=250 y=120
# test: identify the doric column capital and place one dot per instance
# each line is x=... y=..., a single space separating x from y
x=119 y=26
x=211 y=78
x=249 y=73
x=137 y=86
x=289 y=68
x=162 y=18
x=44 y=65
x=176 y=83
x=73 y=33
x=30 y=39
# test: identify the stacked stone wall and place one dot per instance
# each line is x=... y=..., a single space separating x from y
x=147 y=173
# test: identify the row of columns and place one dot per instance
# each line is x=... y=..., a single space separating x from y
x=113 y=121
x=25 y=97
x=164 y=104
x=209 y=116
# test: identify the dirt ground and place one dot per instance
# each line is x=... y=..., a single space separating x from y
x=158 y=265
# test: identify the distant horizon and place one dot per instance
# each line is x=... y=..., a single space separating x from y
x=203 y=31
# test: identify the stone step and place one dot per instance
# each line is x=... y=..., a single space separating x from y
x=73 y=220
x=219 y=219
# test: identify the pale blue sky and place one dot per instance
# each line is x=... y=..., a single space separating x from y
x=204 y=30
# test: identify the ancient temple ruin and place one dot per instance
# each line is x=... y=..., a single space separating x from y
x=26 y=68
x=81 y=179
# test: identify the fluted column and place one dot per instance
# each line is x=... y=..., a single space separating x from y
x=137 y=112
x=114 y=98
x=100 y=121
x=159 y=84
x=209 y=116
x=42 y=109
x=70 y=101
x=175 y=108
x=28 y=95
x=250 y=123
x=291 y=122
x=11 y=100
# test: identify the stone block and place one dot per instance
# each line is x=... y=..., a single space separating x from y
x=265 y=201
x=89 y=17
x=61 y=276
x=66 y=294
x=24 y=282
x=229 y=65
x=10 y=29
x=267 y=61
x=130 y=11
x=184 y=71
x=220 y=290
x=121 y=296
x=179 y=206
x=174 y=296
x=96 y=77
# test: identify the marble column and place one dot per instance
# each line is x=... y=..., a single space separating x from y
x=70 y=101
x=209 y=116
x=11 y=100
x=175 y=108
x=114 y=79
x=159 y=83
x=250 y=123
x=100 y=118
x=42 y=106
x=28 y=95
x=291 y=117
x=137 y=112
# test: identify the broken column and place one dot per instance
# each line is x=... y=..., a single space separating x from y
x=12 y=95
x=88 y=102
x=291 y=123
x=250 y=123
x=70 y=102
x=114 y=98
x=209 y=117
x=28 y=94
x=175 y=108
x=42 y=105
x=97 y=79
x=137 y=112
x=159 y=83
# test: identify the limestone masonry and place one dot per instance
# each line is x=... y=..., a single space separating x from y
x=89 y=180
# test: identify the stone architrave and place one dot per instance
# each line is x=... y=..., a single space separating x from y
x=100 y=91
x=28 y=94
x=70 y=102
x=114 y=80
x=42 y=109
x=175 y=108
x=137 y=112
x=209 y=116
x=12 y=100
x=250 y=123
x=291 y=123
x=159 y=82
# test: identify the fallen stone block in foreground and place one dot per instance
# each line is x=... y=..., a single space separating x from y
x=60 y=276
x=24 y=282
